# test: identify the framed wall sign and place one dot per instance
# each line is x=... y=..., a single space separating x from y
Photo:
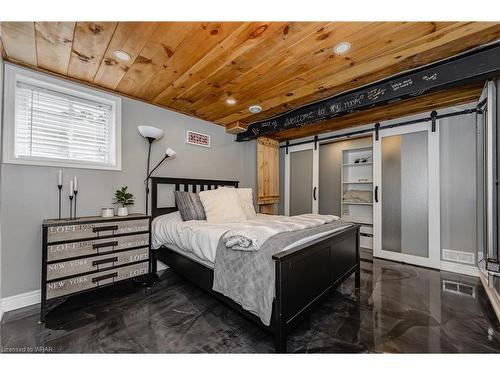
x=198 y=139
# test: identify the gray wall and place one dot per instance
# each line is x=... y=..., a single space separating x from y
x=29 y=193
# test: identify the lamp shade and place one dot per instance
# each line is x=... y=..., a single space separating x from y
x=169 y=152
x=150 y=132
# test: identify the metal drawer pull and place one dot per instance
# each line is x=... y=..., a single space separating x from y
x=102 y=261
x=103 y=229
x=104 y=277
x=104 y=244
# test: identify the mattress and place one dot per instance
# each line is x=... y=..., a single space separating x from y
x=198 y=239
x=190 y=255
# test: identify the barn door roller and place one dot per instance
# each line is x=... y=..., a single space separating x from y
x=433 y=121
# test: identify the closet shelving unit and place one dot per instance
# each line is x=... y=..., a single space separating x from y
x=357 y=174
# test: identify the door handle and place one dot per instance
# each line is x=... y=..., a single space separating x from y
x=314 y=193
x=376 y=194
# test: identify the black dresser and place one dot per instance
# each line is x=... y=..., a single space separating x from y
x=92 y=252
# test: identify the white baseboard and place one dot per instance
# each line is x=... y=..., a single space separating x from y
x=460 y=268
x=21 y=300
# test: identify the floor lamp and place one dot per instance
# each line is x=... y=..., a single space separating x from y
x=151 y=134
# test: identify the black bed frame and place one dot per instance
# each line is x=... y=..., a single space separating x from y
x=304 y=275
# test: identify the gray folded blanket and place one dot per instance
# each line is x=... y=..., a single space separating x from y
x=250 y=235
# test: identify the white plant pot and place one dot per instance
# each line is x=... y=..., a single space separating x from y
x=122 y=211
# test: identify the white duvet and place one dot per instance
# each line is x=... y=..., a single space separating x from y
x=201 y=238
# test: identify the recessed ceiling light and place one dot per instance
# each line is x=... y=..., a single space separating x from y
x=342 y=47
x=255 y=108
x=121 y=55
x=231 y=101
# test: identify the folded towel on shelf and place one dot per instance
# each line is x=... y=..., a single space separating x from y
x=359 y=196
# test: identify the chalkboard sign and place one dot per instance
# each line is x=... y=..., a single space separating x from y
x=460 y=70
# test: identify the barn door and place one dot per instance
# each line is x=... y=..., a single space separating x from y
x=406 y=209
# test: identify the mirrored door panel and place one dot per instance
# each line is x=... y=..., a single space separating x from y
x=301 y=180
x=404 y=195
x=301 y=186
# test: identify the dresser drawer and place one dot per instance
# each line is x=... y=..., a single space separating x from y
x=80 y=283
x=83 y=265
x=95 y=230
x=95 y=247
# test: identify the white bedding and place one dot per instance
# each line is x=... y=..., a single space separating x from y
x=201 y=238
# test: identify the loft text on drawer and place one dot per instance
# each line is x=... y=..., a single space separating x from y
x=95 y=230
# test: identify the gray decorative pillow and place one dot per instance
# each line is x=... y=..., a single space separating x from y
x=189 y=205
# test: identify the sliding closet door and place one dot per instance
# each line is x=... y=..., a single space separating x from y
x=489 y=171
x=481 y=220
x=301 y=180
x=406 y=195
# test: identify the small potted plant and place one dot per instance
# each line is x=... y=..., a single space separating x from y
x=124 y=198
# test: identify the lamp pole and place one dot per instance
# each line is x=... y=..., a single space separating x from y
x=149 y=279
x=152 y=277
x=146 y=181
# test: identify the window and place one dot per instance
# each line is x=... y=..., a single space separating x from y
x=56 y=123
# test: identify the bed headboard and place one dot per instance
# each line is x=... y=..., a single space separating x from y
x=181 y=184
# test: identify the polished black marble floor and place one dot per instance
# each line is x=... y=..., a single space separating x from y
x=400 y=309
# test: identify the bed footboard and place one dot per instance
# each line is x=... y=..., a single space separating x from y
x=305 y=274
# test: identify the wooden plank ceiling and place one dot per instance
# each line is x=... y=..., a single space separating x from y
x=194 y=67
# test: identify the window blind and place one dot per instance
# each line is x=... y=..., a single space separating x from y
x=57 y=125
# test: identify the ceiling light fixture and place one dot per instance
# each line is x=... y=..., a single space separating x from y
x=255 y=108
x=121 y=55
x=341 y=48
x=231 y=101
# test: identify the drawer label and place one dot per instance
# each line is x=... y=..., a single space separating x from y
x=95 y=247
x=95 y=230
x=91 y=264
x=71 y=228
x=84 y=282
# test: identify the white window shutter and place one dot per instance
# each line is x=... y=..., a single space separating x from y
x=56 y=125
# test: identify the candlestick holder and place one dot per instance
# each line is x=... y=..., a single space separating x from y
x=74 y=213
x=70 y=207
x=59 y=206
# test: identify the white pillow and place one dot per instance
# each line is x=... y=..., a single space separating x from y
x=246 y=201
x=222 y=206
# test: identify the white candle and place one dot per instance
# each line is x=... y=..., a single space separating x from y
x=71 y=188
x=76 y=184
x=59 y=183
